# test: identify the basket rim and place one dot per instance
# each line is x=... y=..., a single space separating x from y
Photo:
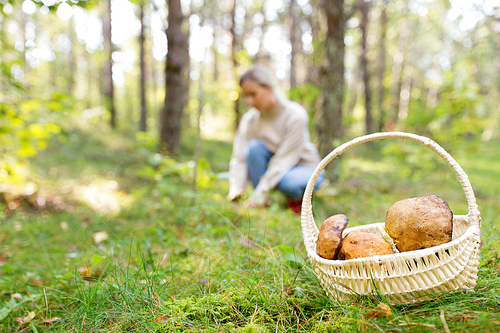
x=469 y=233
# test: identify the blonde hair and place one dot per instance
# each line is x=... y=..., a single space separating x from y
x=259 y=74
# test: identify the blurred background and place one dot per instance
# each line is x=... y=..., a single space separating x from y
x=425 y=66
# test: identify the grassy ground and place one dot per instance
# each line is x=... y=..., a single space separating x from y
x=124 y=244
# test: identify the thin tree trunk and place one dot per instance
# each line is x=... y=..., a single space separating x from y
x=4 y=79
x=215 y=53
x=142 y=65
x=381 y=66
x=90 y=76
x=352 y=92
x=330 y=123
x=293 y=42
x=155 y=75
x=365 y=9
x=432 y=93
x=234 y=45
x=170 y=128
x=397 y=68
x=405 y=94
x=108 y=66
x=262 y=57
x=197 y=151
x=314 y=71
x=26 y=67
x=72 y=61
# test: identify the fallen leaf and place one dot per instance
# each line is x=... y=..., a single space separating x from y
x=164 y=260
x=50 y=320
x=89 y=275
x=100 y=236
x=36 y=281
x=16 y=296
x=27 y=319
x=466 y=317
x=203 y=281
x=248 y=243
x=84 y=272
x=162 y=319
x=383 y=311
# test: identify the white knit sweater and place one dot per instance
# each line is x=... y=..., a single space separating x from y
x=284 y=131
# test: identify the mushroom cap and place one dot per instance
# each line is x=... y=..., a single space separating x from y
x=330 y=236
x=362 y=244
x=419 y=223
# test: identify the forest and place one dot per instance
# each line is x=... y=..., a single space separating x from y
x=116 y=126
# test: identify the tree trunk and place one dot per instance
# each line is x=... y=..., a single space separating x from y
x=365 y=9
x=293 y=42
x=4 y=79
x=215 y=52
x=329 y=125
x=234 y=51
x=313 y=69
x=405 y=94
x=26 y=67
x=397 y=69
x=381 y=67
x=170 y=128
x=72 y=56
x=108 y=66
x=201 y=101
x=90 y=79
x=142 y=65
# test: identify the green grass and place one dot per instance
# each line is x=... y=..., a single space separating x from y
x=178 y=260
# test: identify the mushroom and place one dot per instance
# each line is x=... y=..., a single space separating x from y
x=362 y=244
x=419 y=223
x=330 y=236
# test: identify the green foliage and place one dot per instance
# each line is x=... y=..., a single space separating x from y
x=26 y=129
x=163 y=169
x=458 y=119
x=308 y=96
x=79 y=3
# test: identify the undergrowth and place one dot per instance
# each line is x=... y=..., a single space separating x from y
x=137 y=246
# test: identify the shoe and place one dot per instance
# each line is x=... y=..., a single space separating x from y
x=295 y=205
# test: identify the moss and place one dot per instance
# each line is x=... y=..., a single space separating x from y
x=336 y=325
x=252 y=328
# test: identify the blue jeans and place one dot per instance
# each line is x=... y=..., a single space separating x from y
x=292 y=184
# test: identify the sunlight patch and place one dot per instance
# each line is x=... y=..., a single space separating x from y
x=103 y=196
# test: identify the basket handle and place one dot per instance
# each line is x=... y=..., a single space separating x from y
x=310 y=230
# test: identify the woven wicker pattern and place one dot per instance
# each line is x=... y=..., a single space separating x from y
x=402 y=277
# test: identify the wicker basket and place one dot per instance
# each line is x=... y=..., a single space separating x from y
x=404 y=277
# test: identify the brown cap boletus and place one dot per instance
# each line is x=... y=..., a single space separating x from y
x=330 y=236
x=362 y=244
x=419 y=223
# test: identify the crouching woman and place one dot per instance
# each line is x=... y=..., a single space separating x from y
x=272 y=146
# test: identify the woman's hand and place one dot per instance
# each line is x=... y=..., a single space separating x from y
x=251 y=203
x=235 y=194
x=256 y=201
